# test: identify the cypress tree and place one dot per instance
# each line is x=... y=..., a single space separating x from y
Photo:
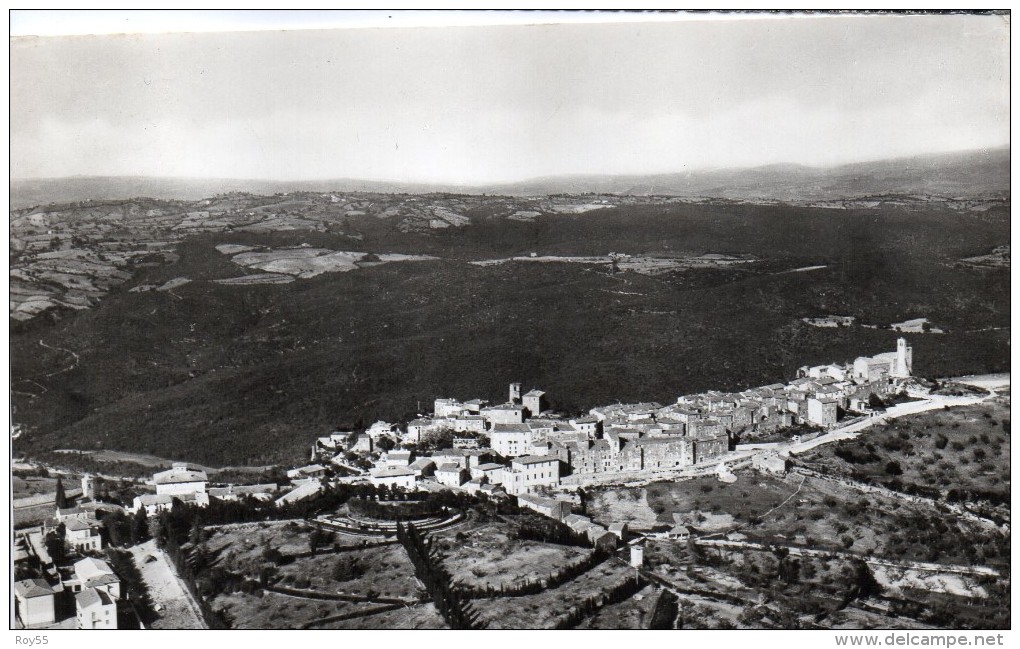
x=61 y=499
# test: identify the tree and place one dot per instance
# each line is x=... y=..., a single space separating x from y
x=314 y=538
x=893 y=468
x=139 y=526
x=195 y=534
x=863 y=580
x=385 y=444
x=55 y=544
x=347 y=569
x=61 y=499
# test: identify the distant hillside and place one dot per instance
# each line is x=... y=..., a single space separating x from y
x=972 y=174
x=42 y=191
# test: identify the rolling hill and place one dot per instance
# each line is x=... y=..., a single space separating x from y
x=251 y=374
x=971 y=174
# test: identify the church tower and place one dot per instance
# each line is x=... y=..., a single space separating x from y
x=904 y=360
x=515 y=393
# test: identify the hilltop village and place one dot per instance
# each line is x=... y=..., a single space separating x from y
x=518 y=451
x=520 y=447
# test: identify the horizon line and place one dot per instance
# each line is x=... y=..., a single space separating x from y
x=527 y=179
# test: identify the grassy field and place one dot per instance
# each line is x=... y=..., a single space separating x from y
x=32 y=485
x=423 y=616
x=275 y=611
x=634 y=613
x=242 y=549
x=541 y=611
x=965 y=448
x=29 y=516
x=703 y=502
x=486 y=555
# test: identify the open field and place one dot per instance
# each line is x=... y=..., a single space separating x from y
x=243 y=549
x=963 y=449
x=275 y=611
x=485 y=555
x=32 y=486
x=634 y=613
x=386 y=572
x=542 y=610
x=422 y=616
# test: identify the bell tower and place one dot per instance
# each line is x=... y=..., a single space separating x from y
x=515 y=393
x=904 y=359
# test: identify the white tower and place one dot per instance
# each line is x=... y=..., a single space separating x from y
x=637 y=556
x=88 y=487
x=904 y=360
x=515 y=393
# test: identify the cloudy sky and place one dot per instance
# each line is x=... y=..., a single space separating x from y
x=490 y=104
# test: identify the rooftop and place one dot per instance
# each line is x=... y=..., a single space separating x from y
x=178 y=475
x=28 y=588
x=90 y=567
x=155 y=499
x=535 y=459
x=510 y=428
x=92 y=597
x=393 y=473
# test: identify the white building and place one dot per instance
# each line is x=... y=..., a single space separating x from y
x=587 y=425
x=237 y=492
x=545 y=506
x=469 y=424
x=511 y=440
x=447 y=408
x=83 y=536
x=306 y=489
x=310 y=471
x=397 y=458
x=889 y=365
x=492 y=472
x=180 y=479
x=530 y=472
x=34 y=603
x=534 y=402
x=822 y=412
x=153 y=503
x=505 y=414
x=415 y=429
x=95 y=610
x=396 y=477
x=451 y=475
x=382 y=429
x=97 y=574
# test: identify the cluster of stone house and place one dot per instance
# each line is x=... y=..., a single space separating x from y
x=92 y=583
x=191 y=487
x=538 y=447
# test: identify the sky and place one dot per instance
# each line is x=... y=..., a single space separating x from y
x=497 y=104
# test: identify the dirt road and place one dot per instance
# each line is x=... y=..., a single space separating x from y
x=176 y=607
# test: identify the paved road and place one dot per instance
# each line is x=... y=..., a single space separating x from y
x=851 y=431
